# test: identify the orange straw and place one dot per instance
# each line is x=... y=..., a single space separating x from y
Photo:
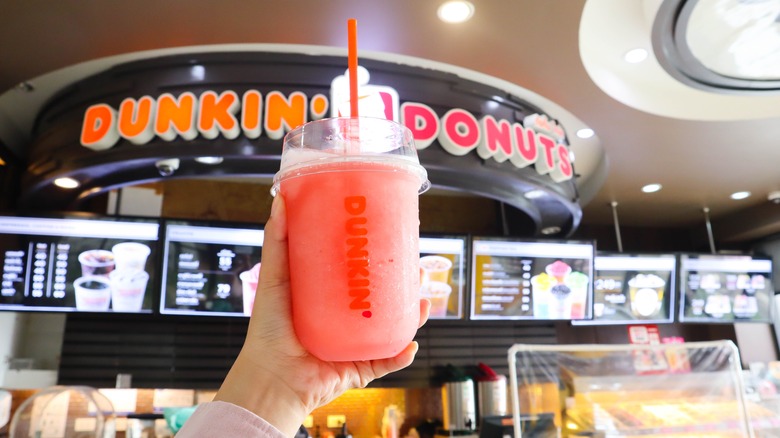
x=352 y=64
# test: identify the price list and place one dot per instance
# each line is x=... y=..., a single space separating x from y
x=13 y=273
x=192 y=279
x=48 y=271
x=504 y=283
x=44 y=271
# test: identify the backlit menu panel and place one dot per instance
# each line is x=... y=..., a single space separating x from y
x=633 y=288
x=725 y=288
x=544 y=280
x=210 y=270
x=443 y=275
x=69 y=264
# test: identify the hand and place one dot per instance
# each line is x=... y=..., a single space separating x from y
x=274 y=376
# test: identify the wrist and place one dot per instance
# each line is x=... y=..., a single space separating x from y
x=263 y=393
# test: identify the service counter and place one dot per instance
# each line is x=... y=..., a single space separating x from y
x=143 y=409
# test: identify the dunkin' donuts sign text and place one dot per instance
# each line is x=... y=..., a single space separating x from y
x=537 y=141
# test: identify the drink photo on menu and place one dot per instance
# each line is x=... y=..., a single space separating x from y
x=210 y=269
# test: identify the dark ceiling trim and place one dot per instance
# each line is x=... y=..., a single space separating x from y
x=675 y=56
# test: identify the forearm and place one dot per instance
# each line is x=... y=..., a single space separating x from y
x=249 y=386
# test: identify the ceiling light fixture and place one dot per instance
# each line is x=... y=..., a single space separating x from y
x=534 y=194
x=585 y=133
x=66 y=183
x=651 y=188
x=635 y=56
x=740 y=195
x=209 y=160
x=455 y=11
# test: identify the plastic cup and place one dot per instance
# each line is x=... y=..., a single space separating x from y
x=541 y=297
x=351 y=187
x=578 y=283
x=435 y=268
x=249 y=286
x=96 y=262
x=438 y=293
x=93 y=293
x=130 y=256
x=127 y=290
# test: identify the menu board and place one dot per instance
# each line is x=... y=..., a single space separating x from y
x=725 y=288
x=70 y=264
x=545 y=280
x=210 y=270
x=633 y=288
x=442 y=275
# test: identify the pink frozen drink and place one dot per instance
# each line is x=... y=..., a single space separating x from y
x=351 y=187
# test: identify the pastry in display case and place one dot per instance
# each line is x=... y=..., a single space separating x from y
x=603 y=391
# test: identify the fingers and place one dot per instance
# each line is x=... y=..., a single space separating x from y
x=425 y=311
x=274 y=269
x=382 y=367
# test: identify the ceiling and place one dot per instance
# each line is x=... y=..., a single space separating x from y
x=701 y=146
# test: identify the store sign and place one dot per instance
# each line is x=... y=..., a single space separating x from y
x=538 y=141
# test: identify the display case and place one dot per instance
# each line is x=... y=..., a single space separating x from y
x=681 y=390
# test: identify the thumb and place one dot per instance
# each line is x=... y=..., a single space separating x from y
x=275 y=268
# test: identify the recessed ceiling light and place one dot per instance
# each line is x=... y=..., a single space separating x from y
x=585 y=133
x=455 y=11
x=209 y=160
x=651 y=188
x=740 y=195
x=635 y=56
x=66 y=183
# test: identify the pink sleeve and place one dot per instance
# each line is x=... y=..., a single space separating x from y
x=226 y=420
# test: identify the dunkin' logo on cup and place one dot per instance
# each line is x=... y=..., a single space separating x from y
x=357 y=255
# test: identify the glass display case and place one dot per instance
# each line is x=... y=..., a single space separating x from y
x=65 y=411
x=681 y=390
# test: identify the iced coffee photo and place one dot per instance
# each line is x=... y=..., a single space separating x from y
x=442 y=274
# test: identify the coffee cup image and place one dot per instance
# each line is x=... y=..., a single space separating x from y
x=96 y=262
x=93 y=293
x=130 y=256
x=435 y=268
x=646 y=292
x=127 y=290
x=438 y=293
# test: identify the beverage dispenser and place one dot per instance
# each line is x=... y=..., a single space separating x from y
x=458 y=404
